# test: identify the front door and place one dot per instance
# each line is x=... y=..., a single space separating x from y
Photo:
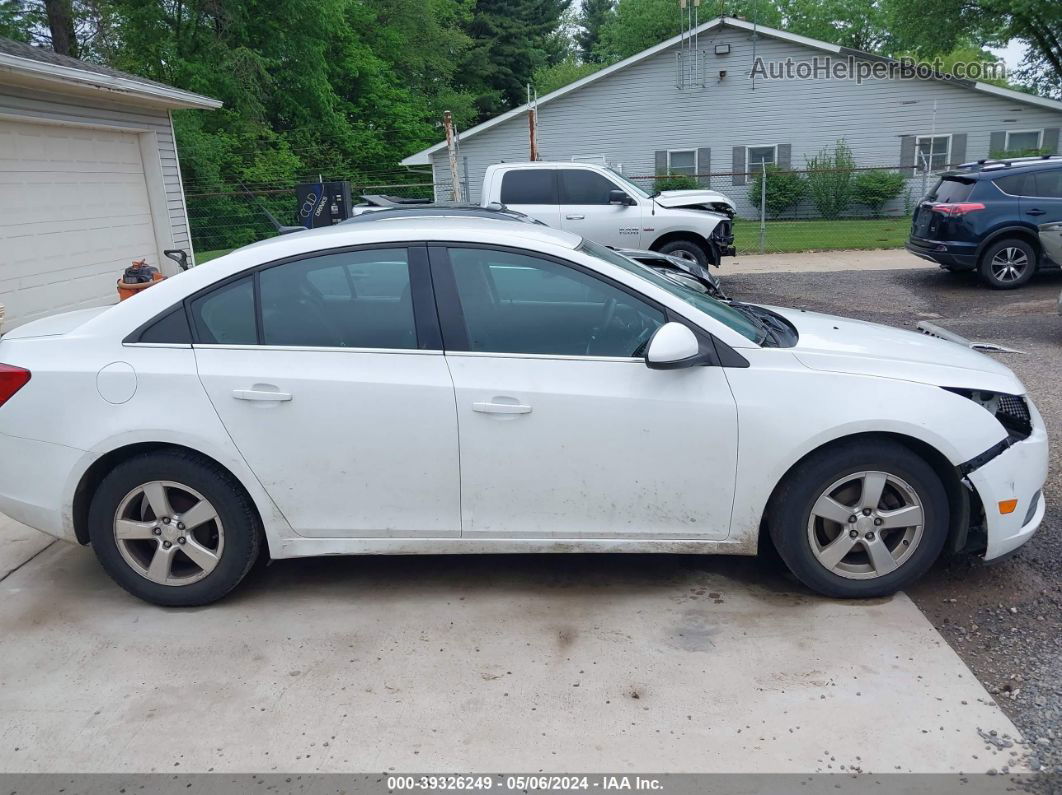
x=328 y=374
x=565 y=433
x=585 y=209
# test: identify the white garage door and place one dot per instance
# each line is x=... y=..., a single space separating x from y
x=73 y=213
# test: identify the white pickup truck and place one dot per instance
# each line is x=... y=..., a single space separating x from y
x=602 y=205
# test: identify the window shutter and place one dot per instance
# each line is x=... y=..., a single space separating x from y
x=660 y=169
x=785 y=156
x=997 y=142
x=704 y=167
x=739 y=165
x=958 y=148
x=907 y=155
x=1050 y=142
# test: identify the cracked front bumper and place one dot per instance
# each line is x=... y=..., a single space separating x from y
x=1018 y=473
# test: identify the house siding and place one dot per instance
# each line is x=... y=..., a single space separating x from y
x=631 y=114
x=41 y=106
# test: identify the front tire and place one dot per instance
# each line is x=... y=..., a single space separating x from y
x=174 y=529
x=860 y=519
x=1008 y=264
x=686 y=249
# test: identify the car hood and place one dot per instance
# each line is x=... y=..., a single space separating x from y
x=55 y=325
x=690 y=198
x=842 y=345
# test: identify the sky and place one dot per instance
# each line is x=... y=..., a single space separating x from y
x=1011 y=54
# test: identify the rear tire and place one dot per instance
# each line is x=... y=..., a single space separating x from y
x=1008 y=264
x=686 y=249
x=841 y=540
x=174 y=529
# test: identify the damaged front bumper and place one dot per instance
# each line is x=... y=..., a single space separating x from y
x=1017 y=473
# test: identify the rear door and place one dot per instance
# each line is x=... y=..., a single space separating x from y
x=533 y=191
x=328 y=374
x=586 y=211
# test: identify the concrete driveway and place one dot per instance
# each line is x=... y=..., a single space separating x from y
x=497 y=663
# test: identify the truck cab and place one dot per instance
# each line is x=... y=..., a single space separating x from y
x=602 y=205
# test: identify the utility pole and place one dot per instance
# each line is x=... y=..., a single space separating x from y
x=532 y=122
x=451 y=150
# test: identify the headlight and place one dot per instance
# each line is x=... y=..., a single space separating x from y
x=1011 y=411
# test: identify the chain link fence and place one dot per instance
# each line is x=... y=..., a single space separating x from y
x=232 y=215
x=796 y=210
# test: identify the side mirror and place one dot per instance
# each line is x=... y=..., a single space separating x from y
x=618 y=197
x=674 y=346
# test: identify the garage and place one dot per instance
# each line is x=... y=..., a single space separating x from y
x=89 y=180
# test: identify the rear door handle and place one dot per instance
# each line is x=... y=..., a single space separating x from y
x=1034 y=212
x=575 y=217
x=262 y=395
x=501 y=408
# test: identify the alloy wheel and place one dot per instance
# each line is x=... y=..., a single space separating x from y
x=866 y=525
x=169 y=533
x=1009 y=264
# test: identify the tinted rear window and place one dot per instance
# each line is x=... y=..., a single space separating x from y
x=1015 y=184
x=951 y=189
x=529 y=186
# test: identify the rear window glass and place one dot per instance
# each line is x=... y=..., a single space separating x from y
x=1015 y=184
x=226 y=315
x=529 y=186
x=950 y=189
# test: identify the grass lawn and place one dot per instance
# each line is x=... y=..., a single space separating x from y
x=206 y=256
x=786 y=237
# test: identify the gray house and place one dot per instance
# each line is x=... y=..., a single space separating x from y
x=89 y=179
x=712 y=106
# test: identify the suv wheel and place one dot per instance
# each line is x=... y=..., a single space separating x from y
x=686 y=249
x=1008 y=263
x=860 y=519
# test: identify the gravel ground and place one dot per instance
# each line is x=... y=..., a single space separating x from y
x=1004 y=619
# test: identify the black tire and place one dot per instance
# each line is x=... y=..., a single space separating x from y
x=234 y=509
x=993 y=271
x=789 y=515
x=687 y=249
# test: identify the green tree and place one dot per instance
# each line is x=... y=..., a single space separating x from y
x=1037 y=24
x=785 y=189
x=591 y=19
x=550 y=78
x=510 y=39
x=830 y=179
x=877 y=188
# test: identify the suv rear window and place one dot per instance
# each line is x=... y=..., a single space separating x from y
x=951 y=189
x=529 y=186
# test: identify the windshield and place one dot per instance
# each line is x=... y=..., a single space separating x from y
x=628 y=184
x=747 y=327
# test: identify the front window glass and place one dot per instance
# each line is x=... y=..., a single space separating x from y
x=516 y=303
x=584 y=187
x=725 y=314
x=627 y=185
x=1049 y=184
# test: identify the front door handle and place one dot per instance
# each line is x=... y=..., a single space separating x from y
x=575 y=217
x=270 y=396
x=501 y=408
x=1034 y=212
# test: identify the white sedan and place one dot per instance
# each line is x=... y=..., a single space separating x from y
x=460 y=386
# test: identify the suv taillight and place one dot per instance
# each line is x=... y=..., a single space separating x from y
x=12 y=379
x=955 y=209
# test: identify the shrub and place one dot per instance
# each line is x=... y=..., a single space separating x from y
x=784 y=190
x=1010 y=154
x=877 y=188
x=675 y=182
x=830 y=179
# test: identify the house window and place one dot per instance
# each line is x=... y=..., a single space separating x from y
x=934 y=151
x=682 y=161
x=1022 y=141
x=760 y=156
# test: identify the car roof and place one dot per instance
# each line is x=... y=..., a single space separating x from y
x=989 y=169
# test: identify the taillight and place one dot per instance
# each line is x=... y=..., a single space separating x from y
x=955 y=209
x=12 y=379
